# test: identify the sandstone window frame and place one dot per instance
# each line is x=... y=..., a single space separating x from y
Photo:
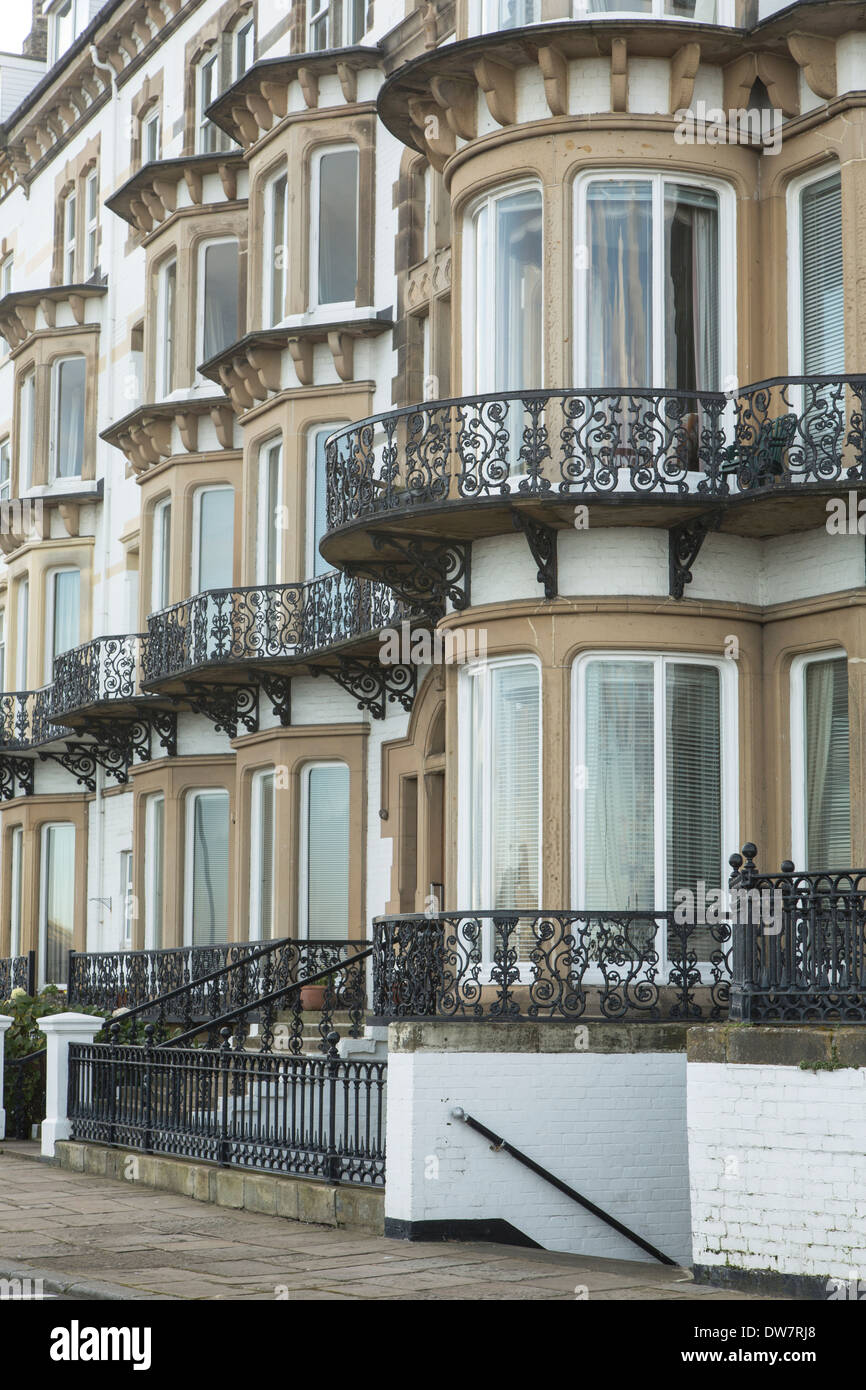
x=71 y=232
x=146 y=107
x=275 y=253
x=35 y=404
x=202 y=299
x=60 y=427
x=657 y=179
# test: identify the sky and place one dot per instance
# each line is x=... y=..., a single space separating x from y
x=15 y=19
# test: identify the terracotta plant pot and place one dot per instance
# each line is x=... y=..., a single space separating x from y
x=312 y=998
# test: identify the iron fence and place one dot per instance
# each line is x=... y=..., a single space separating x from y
x=501 y=966
x=799 y=944
x=17 y=972
x=319 y=1117
x=23 y=1094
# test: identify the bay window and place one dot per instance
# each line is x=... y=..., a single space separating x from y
x=262 y=856
x=66 y=443
x=206 y=899
x=267 y=522
x=62 y=627
x=166 y=314
x=154 y=861
x=213 y=538
x=324 y=852
x=56 y=902
x=334 y=240
x=820 y=777
x=276 y=249
x=500 y=781
x=649 y=309
x=218 y=296
x=161 y=556
x=655 y=800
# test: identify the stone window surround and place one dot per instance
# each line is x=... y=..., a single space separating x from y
x=178 y=481
x=295 y=142
x=73 y=177
x=175 y=778
x=291 y=418
x=43 y=349
x=295 y=748
x=30 y=814
x=35 y=562
x=185 y=232
x=148 y=98
x=218 y=30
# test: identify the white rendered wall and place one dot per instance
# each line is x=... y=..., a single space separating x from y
x=778 y=1168
x=613 y=1127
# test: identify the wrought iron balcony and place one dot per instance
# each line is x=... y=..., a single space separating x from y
x=25 y=720
x=549 y=966
x=686 y=453
x=104 y=671
x=265 y=624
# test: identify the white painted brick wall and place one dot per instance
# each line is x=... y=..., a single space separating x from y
x=613 y=1127
x=777 y=1159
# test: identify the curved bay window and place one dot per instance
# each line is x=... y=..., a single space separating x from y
x=648 y=274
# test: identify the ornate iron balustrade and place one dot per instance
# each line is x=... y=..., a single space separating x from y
x=186 y=984
x=265 y=623
x=25 y=721
x=785 y=432
x=799 y=943
x=316 y=1117
x=24 y=1093
x=105 y=669
x=17 y=972
x=502 y=966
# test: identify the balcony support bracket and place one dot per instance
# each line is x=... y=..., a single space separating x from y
x=541 y=540
x=373 y=684
x=279 y=691
x=15 y=773
x=425 y=573
x=118 y=743
x=226 y=706
x=684 y=545
x=164 y=724
x=78 y=759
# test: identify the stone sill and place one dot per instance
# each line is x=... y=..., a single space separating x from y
x=826 y=1046
x=270 y=1194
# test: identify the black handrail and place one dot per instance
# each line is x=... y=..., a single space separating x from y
x=500 y=1144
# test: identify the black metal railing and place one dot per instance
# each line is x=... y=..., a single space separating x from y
x=17 y=972
x=25 y=721
x=188 y=984
x=23 y=1094
x=266 y=623
x=319 y=1117
x=577 y=965
x=785 y=432
x=104 y=669
x=799 y=943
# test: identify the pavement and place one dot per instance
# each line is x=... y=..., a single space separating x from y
x=94 y=1238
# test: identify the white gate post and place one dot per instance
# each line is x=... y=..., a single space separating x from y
x=5 y=1022
x=60 y=1030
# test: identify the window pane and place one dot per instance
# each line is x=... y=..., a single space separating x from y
x=216 y=539
x=69 y=423
x=691 y=288
x=516 y=297
x=357 y=10
x=66 y=612
x=514 y=786
x=320 y=510
x=619 y=284
x=220 y=297
x=327 y=848
x=210 y=869
x=278 y=249
x=22 y=616
x=694 y=789
x=161 y=556
x=823 y=307
x=338 y=226
x=5 y=469
x=27 y=407
x=58 y=898
x=262 y=889
x=15 y=890
x=828 y=795
x=619 y=836
x=166 y=345
x=155 y=871
x=269 y=500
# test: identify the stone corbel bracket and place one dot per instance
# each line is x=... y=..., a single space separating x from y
x=146 y=435
x=26 y=312
x=150 y=197
x=816 y=58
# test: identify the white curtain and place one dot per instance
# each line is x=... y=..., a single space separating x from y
x=619 y=283
x=691 y=288
x=221 y=287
